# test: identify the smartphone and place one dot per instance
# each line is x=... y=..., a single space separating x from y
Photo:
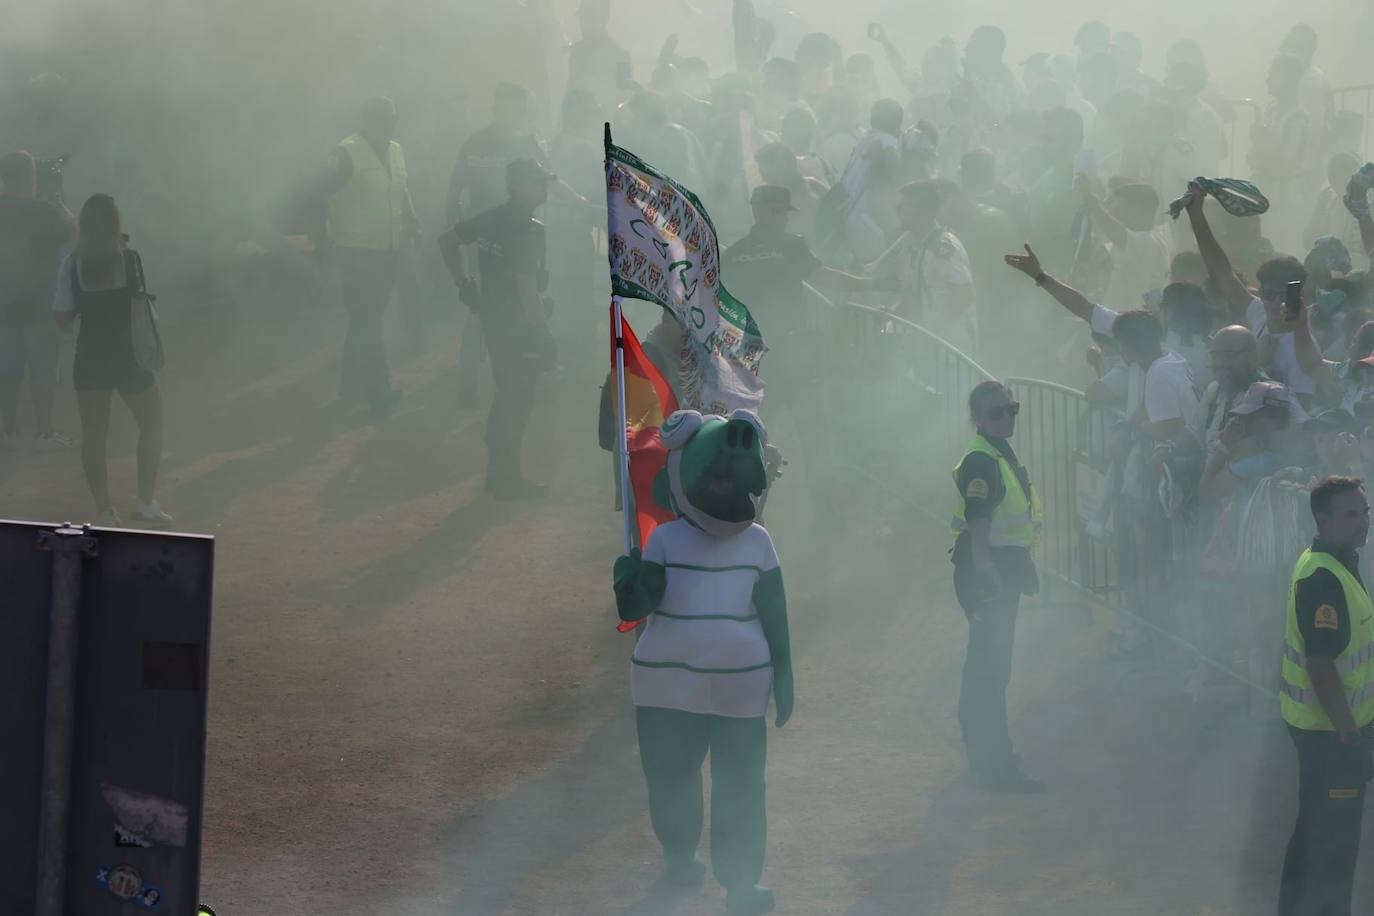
x=1292 y=301
x=876 y=31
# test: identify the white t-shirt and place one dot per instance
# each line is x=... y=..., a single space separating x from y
x=1102 y=320
x=834 y=151
x=863 y=227
x=858 y=173
x=1140 y=265
x=1197 y=355
x=1169 y=392
x=1283 y=365
x=703 y=650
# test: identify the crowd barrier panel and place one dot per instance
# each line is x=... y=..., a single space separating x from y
x=1250 y=112
x=1359 y=99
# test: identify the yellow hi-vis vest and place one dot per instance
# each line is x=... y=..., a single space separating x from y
x=1297 y=700
x=1017 y=520
x=366 y=212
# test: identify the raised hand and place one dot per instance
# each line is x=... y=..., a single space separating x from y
x=1027 y=263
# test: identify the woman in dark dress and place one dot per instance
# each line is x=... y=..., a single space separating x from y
x=97 y=283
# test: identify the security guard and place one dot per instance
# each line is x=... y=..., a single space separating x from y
x=997 y=520
x=1327 y=699
x=370 y=215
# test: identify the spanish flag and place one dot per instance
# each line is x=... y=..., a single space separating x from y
x=649 y=400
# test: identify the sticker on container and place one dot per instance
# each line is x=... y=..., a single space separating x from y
x=127 y=839
x=150 y=898
x=123 y=881
x=158 y=820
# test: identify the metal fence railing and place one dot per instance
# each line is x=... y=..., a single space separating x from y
x=922 y=383
x=1360 y=100
x=918 y=384
x=1241 y=117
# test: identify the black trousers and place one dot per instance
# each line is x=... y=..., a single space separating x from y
x=366 y=278
x=672 y=747
x=472 y=354
x=987 y=672
x=515 y=370
x=1319 y=869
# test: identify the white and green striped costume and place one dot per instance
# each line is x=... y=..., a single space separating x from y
x=703 y=649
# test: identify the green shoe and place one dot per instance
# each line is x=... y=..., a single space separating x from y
x=748 y=901
x=684 y=872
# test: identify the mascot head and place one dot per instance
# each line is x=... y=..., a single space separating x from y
x=715 y=469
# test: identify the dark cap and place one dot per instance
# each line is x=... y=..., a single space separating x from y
x=379 y=108
x=527 y=171
x=771 y=197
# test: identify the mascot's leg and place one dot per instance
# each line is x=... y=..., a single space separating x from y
x=739 y=819
x=672 y=748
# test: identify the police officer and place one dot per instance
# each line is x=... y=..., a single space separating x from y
x=767 y=268
x=767 y=271
x=370 y=215
x=997 y=520
x=476 y=186
x=512 y=260
x=1327 y=699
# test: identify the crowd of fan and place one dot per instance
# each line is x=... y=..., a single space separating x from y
x=1226 y=402
x=916 y=188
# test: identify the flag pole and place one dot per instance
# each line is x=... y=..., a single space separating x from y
x=622 y=447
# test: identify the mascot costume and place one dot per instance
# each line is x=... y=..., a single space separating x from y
x=714 y=646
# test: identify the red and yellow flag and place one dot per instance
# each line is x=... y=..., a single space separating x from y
x=649 y=400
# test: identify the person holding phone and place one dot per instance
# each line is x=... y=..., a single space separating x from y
x=1286 y=349
x=997 y=521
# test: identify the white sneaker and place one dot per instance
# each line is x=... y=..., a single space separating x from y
x=109 y=518
x=9 y=442
x=50 y=442
x=151 y=512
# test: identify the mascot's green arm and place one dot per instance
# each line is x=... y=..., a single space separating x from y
x=639 y=586
x=771 y=602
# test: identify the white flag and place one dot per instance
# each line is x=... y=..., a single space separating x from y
x=663 y=249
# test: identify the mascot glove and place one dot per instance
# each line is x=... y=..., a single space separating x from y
x=782 y=697
x=626 y=569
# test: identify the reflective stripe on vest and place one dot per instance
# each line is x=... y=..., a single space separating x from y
x=367 y=211
x=1016 y=521
x=1298 y=699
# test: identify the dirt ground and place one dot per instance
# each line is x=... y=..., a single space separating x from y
x=419 y=704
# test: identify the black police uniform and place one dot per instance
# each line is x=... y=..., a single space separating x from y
x=509 y=244
x=765 y=270
x=991 y=606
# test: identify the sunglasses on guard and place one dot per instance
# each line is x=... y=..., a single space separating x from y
x=1002 y=411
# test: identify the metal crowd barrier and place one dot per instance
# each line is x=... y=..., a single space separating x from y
x=1234 y=134
x=918 y=383
x=922 y=382
x=1359 y=99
